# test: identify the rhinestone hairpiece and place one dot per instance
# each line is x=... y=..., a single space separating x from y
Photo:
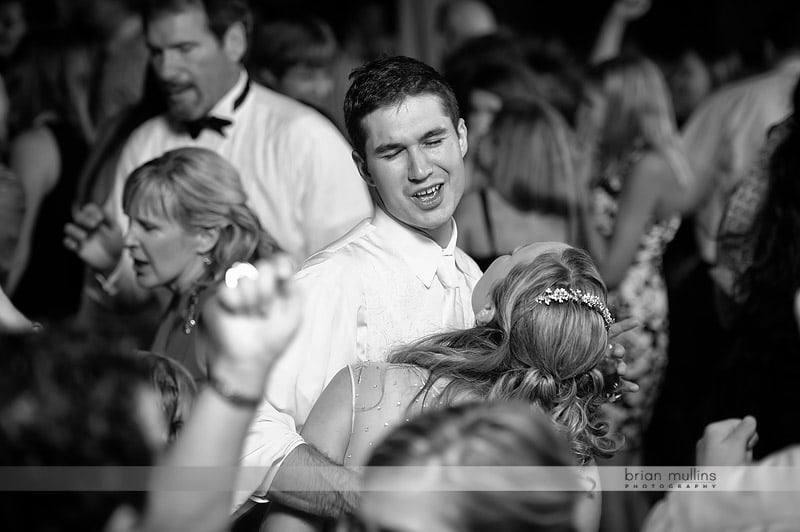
x=561 y=295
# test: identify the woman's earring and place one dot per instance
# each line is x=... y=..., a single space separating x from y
x=206 y=260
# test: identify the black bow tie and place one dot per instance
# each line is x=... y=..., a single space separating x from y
x=214 y=123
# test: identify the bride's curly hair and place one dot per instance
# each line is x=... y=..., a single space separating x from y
x=547 y=355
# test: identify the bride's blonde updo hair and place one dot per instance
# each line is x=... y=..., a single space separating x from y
x=545 y=354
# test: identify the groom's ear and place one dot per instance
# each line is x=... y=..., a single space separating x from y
x=485 y=315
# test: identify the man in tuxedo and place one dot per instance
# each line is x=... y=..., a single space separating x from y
x=295 y=165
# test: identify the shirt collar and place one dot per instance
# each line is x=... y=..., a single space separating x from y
x=226 y=107
x=420 y=253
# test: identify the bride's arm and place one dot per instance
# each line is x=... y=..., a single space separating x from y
x=330 y=422
x=316 y=465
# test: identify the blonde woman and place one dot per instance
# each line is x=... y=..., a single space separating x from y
x=189 y=222
x=633 y=204
x=526 y=160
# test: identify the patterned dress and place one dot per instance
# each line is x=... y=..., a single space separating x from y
x=642 y=295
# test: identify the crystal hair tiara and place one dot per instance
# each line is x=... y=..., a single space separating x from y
x=561 y=295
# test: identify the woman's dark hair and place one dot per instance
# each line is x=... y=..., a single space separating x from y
x=41 y=82
x=774 y=276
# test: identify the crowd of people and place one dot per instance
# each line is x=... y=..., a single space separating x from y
x=341 y=281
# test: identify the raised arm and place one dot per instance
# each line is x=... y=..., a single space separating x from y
x=650 y=180
x=96 y=235
x=11 y=319
x=248 y=326
x=34 y=158
x=609 y=40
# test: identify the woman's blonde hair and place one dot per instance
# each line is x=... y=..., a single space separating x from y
x=532 y=167
x=198 y=189
x=639 y=110
x=547 y=355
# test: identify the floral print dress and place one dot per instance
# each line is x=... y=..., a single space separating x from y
x=642 y=295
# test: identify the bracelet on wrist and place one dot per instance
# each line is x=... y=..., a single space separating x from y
x=232 y=396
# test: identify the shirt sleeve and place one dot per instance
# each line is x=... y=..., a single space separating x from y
x=326 y=342
x=333 y=198
x=270 y=439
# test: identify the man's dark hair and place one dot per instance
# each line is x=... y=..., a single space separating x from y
x=221 y=13
x=386 y=82
x=69 y=400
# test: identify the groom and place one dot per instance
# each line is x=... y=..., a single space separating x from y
x=393 y=278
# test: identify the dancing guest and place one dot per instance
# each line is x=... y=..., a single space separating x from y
x=531 y=186
x=51 y=133
x=726 y=133
x=540 y=336
x=761 y=367
x=634 y=213
x=189 y=223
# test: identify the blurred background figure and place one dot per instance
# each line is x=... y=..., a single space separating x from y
x=759 y=371
x=11 y=319
x=76 y=400
x=725 y=135
x=690 y=81
x=482 y=88
x=51 y=132
x=13 y=28
x=530 y=192
x=638 y=191
x=120 y=55
x=294 y=54
x=458 y=21
x=485 y=72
